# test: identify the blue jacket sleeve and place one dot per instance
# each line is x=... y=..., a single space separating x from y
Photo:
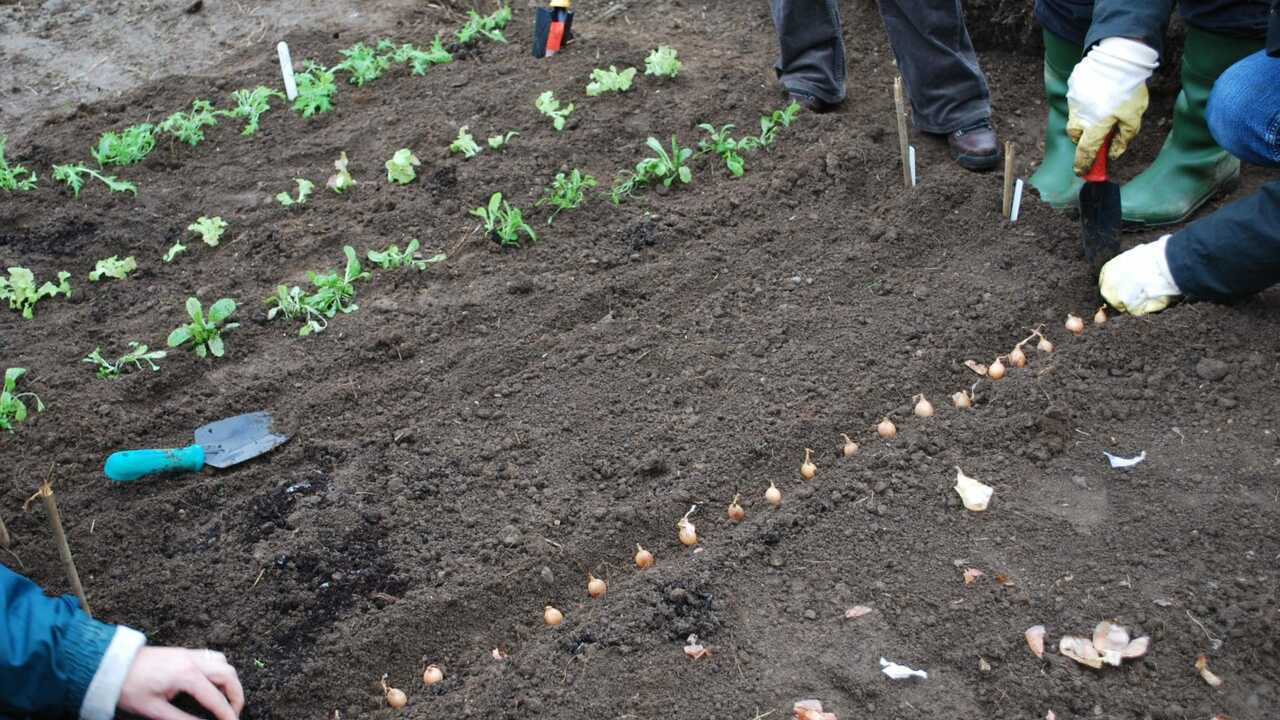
x=1233 y=253
x=49 y=649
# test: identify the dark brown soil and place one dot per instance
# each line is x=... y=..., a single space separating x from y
x=477 y=437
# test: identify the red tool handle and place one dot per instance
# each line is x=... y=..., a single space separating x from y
x=1098 y=171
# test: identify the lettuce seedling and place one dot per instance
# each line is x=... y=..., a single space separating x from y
x=209 y=229
x=290 y=302
x=188 y=127
x=567 y=192
x=730 y=150
x=128 y=147
x=363 y=63
x=549 y=106
x=251 y=105
x=500 y=142
x=770 y=124
x=465 y=144
x=665 y=168
x=489 y=26
x=304 y=191
x=603 y=81
x=316 y=87
x=662 y=62
x=12 y=409
x=205 y=334
x=336 y=293
x=393 y=258
x=114 y=268
x=504 y=223
x=340 y=181
x=20 y=290
x=73 y=176
x=400 y=167
x=420 y=60
x=137 y=355
x=11 y=177
x=173 y=252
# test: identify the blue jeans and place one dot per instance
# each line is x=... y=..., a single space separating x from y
x=1244 y=110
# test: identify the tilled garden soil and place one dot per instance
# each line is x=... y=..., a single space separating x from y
x=477 y=437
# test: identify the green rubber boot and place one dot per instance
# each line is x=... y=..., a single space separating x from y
x=1054 y=179
x=1190 y=168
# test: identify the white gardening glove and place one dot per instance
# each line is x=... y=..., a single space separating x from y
x=1106 y=91
x=1138 y=281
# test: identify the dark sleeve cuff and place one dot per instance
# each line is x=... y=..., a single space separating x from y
x=1145 y=21
x=82 y=648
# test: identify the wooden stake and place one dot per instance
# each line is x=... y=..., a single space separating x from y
x=900 y=109
x=60 y=537
x=1008 y=179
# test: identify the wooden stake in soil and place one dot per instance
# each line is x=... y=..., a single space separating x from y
x=1007 y=210
x=900 y=110
x=55 y=520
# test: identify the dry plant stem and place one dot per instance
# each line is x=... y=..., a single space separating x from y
x=1008 y=179
x=900 y=111
x=5 y=540
x=60 y=537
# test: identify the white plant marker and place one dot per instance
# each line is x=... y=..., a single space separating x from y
x=286 y=69
x=911 y=160
x=1017 y=201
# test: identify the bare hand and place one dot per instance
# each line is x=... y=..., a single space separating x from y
x=158 y=675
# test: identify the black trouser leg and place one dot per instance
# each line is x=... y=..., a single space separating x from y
x=811 y=58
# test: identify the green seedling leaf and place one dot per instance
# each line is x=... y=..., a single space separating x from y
x=11 y=177
x=666 y=168
x=721 y=143
x=291 y=303
x=465 y=144
x=778 y=119
x=500 y=142
x=567 y=192
x=489 y=26
x=12 y=408
x=113 y=268
x=603 y=81
x=394 y=258
x=74 y=175
x=362 y=63
x=204 y=334
x=420 y=60
x=251 y=105
x=137 y=355
x=336 y=292
x=340 y=181
x=662 y=62
x=304 y=191
x=22 y=294
x=316 y=88
x=209 y=229
x=400 y=167
x=549 y=106
x=128 y=147
x=503 y=223
x=189 y=127
x=173 y=252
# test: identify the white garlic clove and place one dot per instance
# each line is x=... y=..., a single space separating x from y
x=1081 y=650
x=973 y=494
x=1136 y=648
x=1202 y=664
x=1035 y=639
x=856 y=612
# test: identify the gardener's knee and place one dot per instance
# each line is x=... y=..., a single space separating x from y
x=1244 y=110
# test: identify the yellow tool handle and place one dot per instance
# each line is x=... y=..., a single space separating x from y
x=565 y=4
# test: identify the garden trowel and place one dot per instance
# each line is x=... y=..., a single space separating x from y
x=221 y=444
x=1100 y=212
x=552 y=28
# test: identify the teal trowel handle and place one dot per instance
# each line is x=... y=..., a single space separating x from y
x=128 y=465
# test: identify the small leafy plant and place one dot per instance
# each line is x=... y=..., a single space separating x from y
x=251 y=105
x=500 y=142
x=567 y=192
x=173 y=252
x=465 y=144
x=771 y=124
x=362 y=63
x=11 y=178
x=113 y=267
x=336 y=292
x=665 y=168
x=316 y=88
x=721 y=143
x=305 y=187
x=486 y=26
x=420 y=60
x=400 y=167
x=209 y=229
x=662 y=62
x=291 y=302
x=549 y=106
x=189 y=127
x=394 y=258
x=205 y=334
x=504 y=223
x=12 y=409
x=74 y=175
x=20 y=290
x=340 y=181
x=603 y=81
x=138 y=354
x=127 y=147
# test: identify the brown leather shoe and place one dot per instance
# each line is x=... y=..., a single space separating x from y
x=975 y=148
x=813 y=104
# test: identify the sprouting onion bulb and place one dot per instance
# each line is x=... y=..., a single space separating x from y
x=886 y=429
x=773 y=495
x=807 y=468
x=850 y=447
x=923 y=408
x=432 y=675
x=1017 y=358
x=552 y=616
x=962 y=400
x=1074 y=324
x=1100 y=317
x=687 y=532
x=395 y=696
x=1044 y=345
x=596 y=587
x=996 y=369
x=644 y=558
x=735 y=512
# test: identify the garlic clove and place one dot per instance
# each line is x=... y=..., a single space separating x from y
x=1035 y=639
x=856 y=612
x=1136 y=648
x=971 y=575
x=973 y=494
x=1110 y=640
x=1202 y=664
x=694 y=649
x=1081 y=650
x=976 y=367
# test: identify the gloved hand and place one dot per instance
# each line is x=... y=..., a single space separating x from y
x=1138 y=281
x=1108 y=90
